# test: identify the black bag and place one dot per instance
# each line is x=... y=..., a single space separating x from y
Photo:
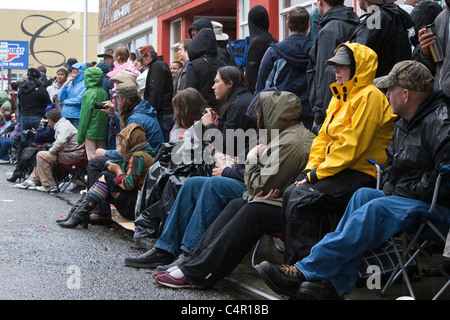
x=159 y=191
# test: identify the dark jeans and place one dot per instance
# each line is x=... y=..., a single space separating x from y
x=312 y=210
x=166 y=123
x=228 y=240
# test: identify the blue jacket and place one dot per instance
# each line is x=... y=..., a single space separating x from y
x=73 y=93
x=283 y=68
x=145 y=115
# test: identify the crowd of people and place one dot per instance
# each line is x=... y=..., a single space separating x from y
x=305 y=114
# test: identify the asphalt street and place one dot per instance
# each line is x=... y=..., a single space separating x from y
x=41 y=261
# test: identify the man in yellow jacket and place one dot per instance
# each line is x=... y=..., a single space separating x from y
x=358 y=126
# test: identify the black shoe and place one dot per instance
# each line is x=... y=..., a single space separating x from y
x=434 y=272
x=317 y=290
x=179 y=262
x=150 y=259
x=284 y=280
x=16 y=175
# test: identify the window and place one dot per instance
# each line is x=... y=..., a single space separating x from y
x=244 y=8
x=175 y=38
x=286 y=6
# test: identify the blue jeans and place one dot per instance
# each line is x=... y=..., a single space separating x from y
x=370 y=219
x=166 y=123
x=5 y=144
x=198 y=203
x=28 y=122
x=74 y=122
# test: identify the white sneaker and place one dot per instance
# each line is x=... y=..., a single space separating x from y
x=46 y=188
x=27 y=184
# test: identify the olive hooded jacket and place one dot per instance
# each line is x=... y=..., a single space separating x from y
x=287 y=147
x=359 y=122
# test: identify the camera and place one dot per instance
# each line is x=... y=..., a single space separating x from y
x=43 y=123
x=99 y=105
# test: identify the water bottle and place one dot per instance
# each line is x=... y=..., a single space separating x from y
x=436 y=48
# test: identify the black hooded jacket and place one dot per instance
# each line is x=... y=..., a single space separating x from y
x=418 y=149
x=33 y=99
x=385 y=31
x=203 y=65
x=260 y=40
x=336 y=26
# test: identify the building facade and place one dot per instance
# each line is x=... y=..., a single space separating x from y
x=164 y=24
x=51 y=36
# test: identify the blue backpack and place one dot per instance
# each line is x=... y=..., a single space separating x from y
x=238 y=50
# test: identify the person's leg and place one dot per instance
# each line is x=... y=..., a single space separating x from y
x=43 y=170
x=230 y=245
x=313 y=210
x=216 y=194
x=338 y=255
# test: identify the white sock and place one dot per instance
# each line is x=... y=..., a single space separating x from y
x=177 y=273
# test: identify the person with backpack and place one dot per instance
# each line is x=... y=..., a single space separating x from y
x=284 y=64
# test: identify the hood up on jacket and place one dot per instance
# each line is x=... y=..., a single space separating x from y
x=203 y=43
x=81 y=69
x=200 y=24
x=364 y=64
x=342 y=13
x=280 y=110
x=258 y=21
x=93 y=77
x=134 y=135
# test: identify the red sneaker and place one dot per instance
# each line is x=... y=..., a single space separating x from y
x=176 y=283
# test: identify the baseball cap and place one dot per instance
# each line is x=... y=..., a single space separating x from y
x=69 y=63
x=341 y=57
x=408 y=74
x=142 y=51
x=126 y=90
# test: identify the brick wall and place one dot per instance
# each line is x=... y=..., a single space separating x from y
x=140 y=11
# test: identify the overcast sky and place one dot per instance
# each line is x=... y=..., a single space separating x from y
x=50 y=5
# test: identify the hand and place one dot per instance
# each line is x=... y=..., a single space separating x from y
x=217 y=171
x=209 y=117
x=256 y=151
x=111 y=108
x=297 y=183
x=426 y=39
x=100 y=152
x=114 y=168
x=273 y=194
x=68 y=80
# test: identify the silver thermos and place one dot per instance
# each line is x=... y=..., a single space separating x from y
x=435 y=48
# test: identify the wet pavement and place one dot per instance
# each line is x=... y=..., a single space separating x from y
x=37 y=255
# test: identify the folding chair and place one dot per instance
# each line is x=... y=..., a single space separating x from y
x=433 y=228
x=65 y=174
x=274 y=237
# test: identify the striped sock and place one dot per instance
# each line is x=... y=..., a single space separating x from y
x=98 y=191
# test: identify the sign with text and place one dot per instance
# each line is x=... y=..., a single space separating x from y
x=16 y=56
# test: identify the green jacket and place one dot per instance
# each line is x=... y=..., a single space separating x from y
x=286 y=154
x=93 y=122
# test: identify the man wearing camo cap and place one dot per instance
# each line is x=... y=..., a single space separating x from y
x=420 y=146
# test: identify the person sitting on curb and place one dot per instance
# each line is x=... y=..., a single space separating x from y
x=418 y=150
x=120 y=181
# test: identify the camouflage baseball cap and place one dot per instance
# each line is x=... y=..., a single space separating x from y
x=408 y=74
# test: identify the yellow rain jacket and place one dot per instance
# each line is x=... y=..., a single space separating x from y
x=359 y=122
